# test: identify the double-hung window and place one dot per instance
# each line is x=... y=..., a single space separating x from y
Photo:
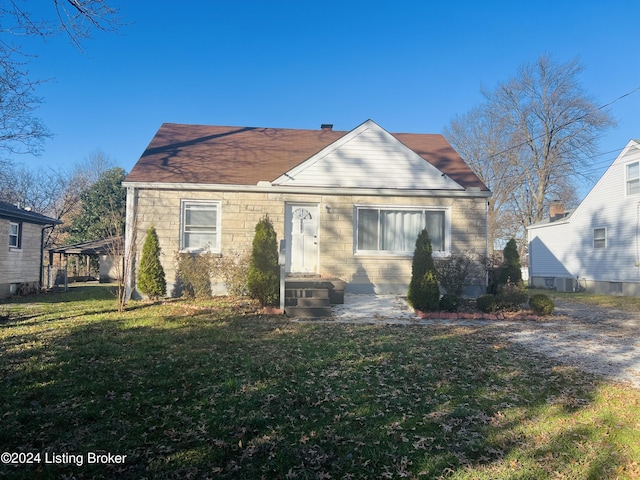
x=392 y=230
x=633 y=178
x=15 y=235
x=200 y=226
x=600 y=237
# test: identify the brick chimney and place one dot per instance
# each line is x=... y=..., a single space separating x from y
x=556 y=210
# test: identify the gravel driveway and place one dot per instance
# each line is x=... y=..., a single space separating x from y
x=599 y=340
x=595 y=339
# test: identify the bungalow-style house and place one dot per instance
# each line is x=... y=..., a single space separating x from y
x=22 y=257
x=349 y=205
x=596 y=246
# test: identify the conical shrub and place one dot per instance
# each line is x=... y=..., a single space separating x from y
x=263 y=282
x=151 y=278
x=424 y=292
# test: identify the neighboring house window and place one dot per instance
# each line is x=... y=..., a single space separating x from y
x=200 y=226
x=392 y=230
x=633 y=178
x=599 y=238
x=15 y=235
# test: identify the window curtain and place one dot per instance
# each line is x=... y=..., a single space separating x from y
x=435 y=229
x=367 y=229
x=399 y=230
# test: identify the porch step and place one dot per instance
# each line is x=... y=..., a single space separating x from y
x=335 y=286
x=312 y=297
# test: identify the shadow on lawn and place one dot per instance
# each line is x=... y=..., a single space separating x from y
x=183 y=394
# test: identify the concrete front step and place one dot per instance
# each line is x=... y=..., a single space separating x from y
x=334 y=286
x=306 y=293
x=313 y=302
x=308 y=312
x=312 y=296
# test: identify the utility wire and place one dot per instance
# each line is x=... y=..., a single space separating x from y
x=568 y=123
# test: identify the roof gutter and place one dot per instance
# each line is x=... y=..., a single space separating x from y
x=266 y=187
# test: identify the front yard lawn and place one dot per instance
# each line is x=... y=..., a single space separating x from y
x=216 y=390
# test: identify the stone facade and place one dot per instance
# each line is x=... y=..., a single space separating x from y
x=241 y=210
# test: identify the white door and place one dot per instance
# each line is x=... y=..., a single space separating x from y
x=302 y=238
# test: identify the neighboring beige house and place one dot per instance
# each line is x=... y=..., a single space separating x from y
x=22 y=257
x=349 y=205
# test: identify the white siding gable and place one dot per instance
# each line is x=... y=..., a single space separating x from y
x=368 y=157
x=567 y=247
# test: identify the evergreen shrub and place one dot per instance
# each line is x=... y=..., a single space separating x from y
x=450 y=303
x=263 y=282
x=424 y=292
x=487 y=303
x=151 y=277
x=541 y=304
x=512 y=270
x=511 y=297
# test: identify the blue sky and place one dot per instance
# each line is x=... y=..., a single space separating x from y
x=408 y=65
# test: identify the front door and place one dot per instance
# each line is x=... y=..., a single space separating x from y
x=302 y=238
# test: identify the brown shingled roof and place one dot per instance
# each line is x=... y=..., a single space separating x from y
x=245 y=155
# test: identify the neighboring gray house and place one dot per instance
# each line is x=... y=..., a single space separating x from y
x=22 y=257
x=598 y=243
x=348 y=204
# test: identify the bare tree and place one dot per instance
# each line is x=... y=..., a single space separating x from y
x=55 y=193
x=20 y=130
x=476 y=138
x=530 y=141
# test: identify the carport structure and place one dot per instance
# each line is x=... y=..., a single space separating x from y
x=109 y=252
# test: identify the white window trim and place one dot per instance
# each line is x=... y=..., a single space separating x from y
x=18 y=237
x=387 y=253
x=212 y=248
x=605 y=238
x=627 y=179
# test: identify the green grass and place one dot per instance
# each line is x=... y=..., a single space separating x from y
x=631 y=304
x=216 y=390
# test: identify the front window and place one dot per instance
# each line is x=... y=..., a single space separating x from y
x=389 y=230
x=200 y=226
x=633 y=178
x=599 y=238
x=15 y=235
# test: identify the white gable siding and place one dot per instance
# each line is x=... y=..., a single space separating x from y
x=368 y=157
x=571 y=243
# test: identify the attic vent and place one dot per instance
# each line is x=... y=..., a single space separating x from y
x=327 y=126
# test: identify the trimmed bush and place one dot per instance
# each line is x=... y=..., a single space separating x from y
x=511 y=297
x=541 y=304
x=263 y=282
x=151 y=277
x=233 y=270
x=450 y=303
x=424 y=293
x=194 y=274
x=453 y=273
x=512 y=270
x=487 y=303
